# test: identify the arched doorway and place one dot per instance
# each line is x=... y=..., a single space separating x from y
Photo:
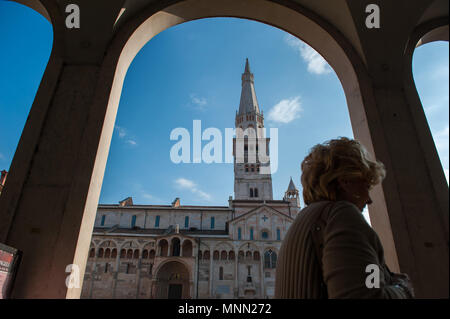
x=172 y=281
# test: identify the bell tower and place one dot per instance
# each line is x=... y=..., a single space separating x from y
x=252 y=176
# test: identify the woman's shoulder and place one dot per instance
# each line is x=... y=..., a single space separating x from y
x=347 y=215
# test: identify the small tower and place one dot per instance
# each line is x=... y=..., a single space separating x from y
x=291 y=196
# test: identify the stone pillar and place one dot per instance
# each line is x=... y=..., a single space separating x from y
x=211 y=274
x=93 y=273
x=236 y=273
x=262 y=275
x=410 y=212
x=138 y=275
x=116 y=274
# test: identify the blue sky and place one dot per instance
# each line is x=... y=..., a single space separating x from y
x=193 y=72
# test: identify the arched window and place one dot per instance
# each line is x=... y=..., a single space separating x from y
x=223 y=255
x=251 y=233
x=152 y=254
x=221 y=273
x=100 y=253
x=239 y=233
x=114 y=253
x=175 y=247
x=145 y=254
x=206 y=255
x=157 y=221
x=186 y=222
x=270 y=259
x=256 y=255
x=252 y=167
x=264 y=234
x=248 y=255
x=278 y=234
x=251 y=192
x=163 y=246
x=246 y=168
x=103 y=220
x=92 y=253
x=212 y=222
x=123 y=253
x=216 y=255
x=256 y=192
x=136 y=254
x=107 y=253
x=240 y=255
x=231 y=255
x=133 y=221
x=130 y=253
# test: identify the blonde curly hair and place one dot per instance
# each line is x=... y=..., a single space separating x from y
x=336 y=158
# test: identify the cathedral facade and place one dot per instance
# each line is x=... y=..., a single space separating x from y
x=179 y=251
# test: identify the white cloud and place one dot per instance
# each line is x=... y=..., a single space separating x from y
x=435 y=105
x=198 y=102
x=131 y=142
x=316 y=63
x=184 y=183
x=285 y=111
x=148 y=196
x=121 y=131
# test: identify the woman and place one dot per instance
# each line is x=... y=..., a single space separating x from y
x=330 y=251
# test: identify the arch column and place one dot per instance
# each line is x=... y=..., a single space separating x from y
x=262 y=274
x=116 y=273
x=236 y=274
x=211 y=273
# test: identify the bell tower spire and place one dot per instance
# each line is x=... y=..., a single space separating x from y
x=249 y=103
x=252 y=176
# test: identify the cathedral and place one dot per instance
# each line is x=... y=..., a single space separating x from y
x=181 y=251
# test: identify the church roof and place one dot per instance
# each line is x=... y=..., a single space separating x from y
x=291 y=186
x=248 y=102
x=256 y=209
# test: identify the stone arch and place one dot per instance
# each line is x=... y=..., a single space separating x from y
x=130 y=244
x=248 y=246
x=37 y=6
x=328 y=40
x=175 y=244
x=223 y=245
x=171 y=275
x=148 y=251
x=204 y=253
x=163 y=248
x=223 y=255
